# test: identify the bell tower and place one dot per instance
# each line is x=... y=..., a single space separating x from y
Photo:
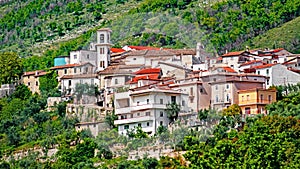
x=103 y=48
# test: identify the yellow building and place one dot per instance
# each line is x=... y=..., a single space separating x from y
x=253 y=101
x=31 y=80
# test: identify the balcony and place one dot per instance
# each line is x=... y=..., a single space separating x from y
x=133 y=120
x=137 y=107
x=123 y=110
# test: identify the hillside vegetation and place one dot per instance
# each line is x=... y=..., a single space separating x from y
x=286 y=36
x=40 y=28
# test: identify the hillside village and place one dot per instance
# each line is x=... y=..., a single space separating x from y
x=139 y=83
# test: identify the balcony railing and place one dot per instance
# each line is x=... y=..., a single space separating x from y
x=133 y=120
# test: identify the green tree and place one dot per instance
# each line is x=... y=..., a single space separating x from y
x=172 y=111
x=110 y=119
x=10 y=67
x=48 y=84
x=232 y=110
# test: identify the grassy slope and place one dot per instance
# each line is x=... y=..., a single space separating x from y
x=286 y=36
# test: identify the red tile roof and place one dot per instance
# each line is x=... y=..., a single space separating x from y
x=148 y=71
x=233 y=53
x=228 y=69
x=117 y=50
x=278 y=50
x=143 y=48
x=263 y=66
x=65 y=66
x=144 y=77
x=36 y=72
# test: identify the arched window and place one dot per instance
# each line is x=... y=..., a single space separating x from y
x=101 y=38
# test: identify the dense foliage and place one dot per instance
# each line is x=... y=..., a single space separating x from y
x=10 y=67
x=32 y=27
x=230 y=23
x=33 y=21
x=24 y=123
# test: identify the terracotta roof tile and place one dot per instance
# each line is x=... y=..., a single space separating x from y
x=233 y=53
x=228 y=69
x=144 y=77
x=148 y=71
x=65 y=66
x=263 y=66
x=117 y=50
x=36 y=72
x=182 y=51
x=143 y=48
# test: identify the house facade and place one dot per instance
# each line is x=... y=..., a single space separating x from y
x=254 y=101
x=145 y=108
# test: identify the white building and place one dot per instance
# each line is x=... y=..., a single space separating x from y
x=103 y=48
x=278 y=74
x=83 y=56
x=145 y=107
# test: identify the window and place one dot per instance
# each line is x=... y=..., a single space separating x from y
x=70 y=82
x=123 y=117
x=75 y=70
x=81 y=81
x=270 y=98
x=148 y=101
x=261 y=98
x=267 y=71
x=101 y=51
x=161 y=123
x=201 y=90
x=66 y=71
x=138 y=102
x=267 y=82
x=87 y=56
x=191 y=91
x=36 y=83
x=216 y=87
x=92 y=81
x=126 y=127
x=134 y=58
x=242 y=98
x=148 y=124
x=131 y=115
x=107 y=38
x=161 y=114
x=147 y=113
x=161 y=101
x=101 y=38
x=139 y=125
x=248 y=97
x=183 y=103
x=258 y=72
x=247 y=110
x=217 y=98
x=28 y=84
x=227 y=86
x=75 y=56
x=138 y=114
x=173 y=99
x=227 y=97
x=116 y=81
